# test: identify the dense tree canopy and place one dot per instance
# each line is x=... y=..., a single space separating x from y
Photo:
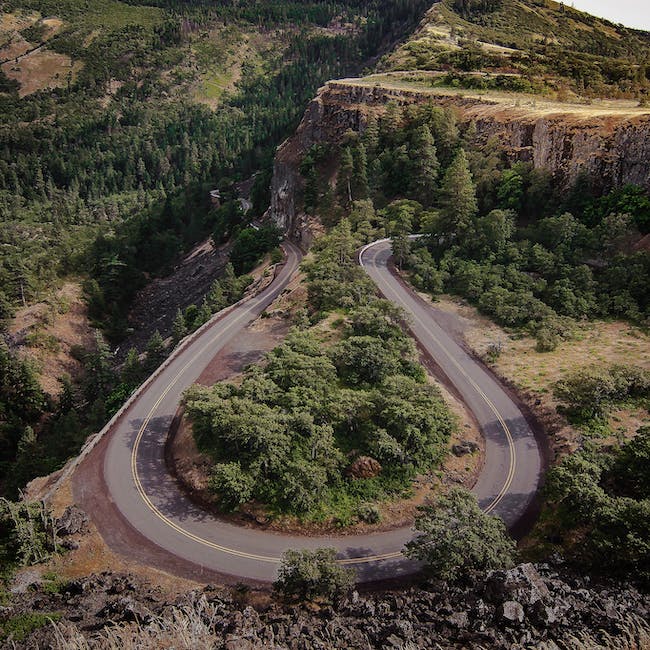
x=288 y=435
x=494 y=233
x=130 y=168
x=602 y=506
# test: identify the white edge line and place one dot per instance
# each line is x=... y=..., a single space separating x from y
x=93 y=439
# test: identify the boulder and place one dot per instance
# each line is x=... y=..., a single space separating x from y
x=544 y=615
x=464 y=447
x=521 y=583
x=73 y=521
x=70 y=545
x=511 y=611
x=25 y=579
x=459 y=620
x=127 y=609
x=364 y=467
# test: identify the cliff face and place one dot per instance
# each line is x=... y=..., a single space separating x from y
x=326 y=119
x=613 y=148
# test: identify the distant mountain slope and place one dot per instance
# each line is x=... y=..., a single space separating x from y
x=552 y=46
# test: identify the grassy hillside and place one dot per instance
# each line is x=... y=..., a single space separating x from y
x=546 y=45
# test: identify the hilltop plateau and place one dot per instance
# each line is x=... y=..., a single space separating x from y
x=541 y=46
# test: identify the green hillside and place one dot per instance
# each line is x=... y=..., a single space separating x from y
x=546 y=45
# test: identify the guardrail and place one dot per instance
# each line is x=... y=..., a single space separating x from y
x=93 y=440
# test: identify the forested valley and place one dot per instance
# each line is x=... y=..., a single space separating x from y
x=140 y=138
x=105 y=177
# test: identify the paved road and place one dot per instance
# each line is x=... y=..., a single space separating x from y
x=513 y=462
x=150 y=501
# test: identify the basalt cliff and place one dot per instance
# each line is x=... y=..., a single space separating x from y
x=612 y=147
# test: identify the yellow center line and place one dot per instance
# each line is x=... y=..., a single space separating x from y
x=160 y=515
x=134 y=453
x=270 y=559
x=486 y=399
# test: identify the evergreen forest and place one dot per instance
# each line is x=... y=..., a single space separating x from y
x=105 y=175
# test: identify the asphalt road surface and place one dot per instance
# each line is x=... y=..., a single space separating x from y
x=513 y=459
x=150 y=501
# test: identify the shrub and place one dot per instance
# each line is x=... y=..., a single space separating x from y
x=18 y=628
x=457 y=537
x=232 y=485
x=494 y=350
x=369 y=513
x=588 y=392
x=547 y=340
x=277 y=255
x=313 y=575
x=27 y=532
x=632 y=468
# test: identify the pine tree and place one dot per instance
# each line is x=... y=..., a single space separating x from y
x=216 y=299
x=39 y=183
x=66 y=396
x=29 y=460
x=229 y=282
x=155 y=351
x=99 y=373
x=344 y=180
x=424 y=166
x=360 y=188
x=27 y=442
x=132 y=369
x=444 y=129
x=310 y=193
x=203 y=315
x=457 y=198
x=401 y=248
x=391 y=124
x=67 y=433
x=343 y=243
x=371 y=136
x=362 y=211
x=179 y=327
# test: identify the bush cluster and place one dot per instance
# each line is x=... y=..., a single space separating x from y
x=602 y=508
x=288 y=434
x=589 y=392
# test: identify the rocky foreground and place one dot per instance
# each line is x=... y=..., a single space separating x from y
x=530 y=606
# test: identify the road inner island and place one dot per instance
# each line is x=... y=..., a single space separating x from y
x=148 y=508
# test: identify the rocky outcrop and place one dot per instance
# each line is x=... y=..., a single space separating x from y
x=525 y=607
x=613 y=148
x=464 y=447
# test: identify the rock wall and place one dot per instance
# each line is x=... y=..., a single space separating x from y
x=614 y=149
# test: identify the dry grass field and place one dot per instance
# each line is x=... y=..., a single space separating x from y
x=529 y=105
